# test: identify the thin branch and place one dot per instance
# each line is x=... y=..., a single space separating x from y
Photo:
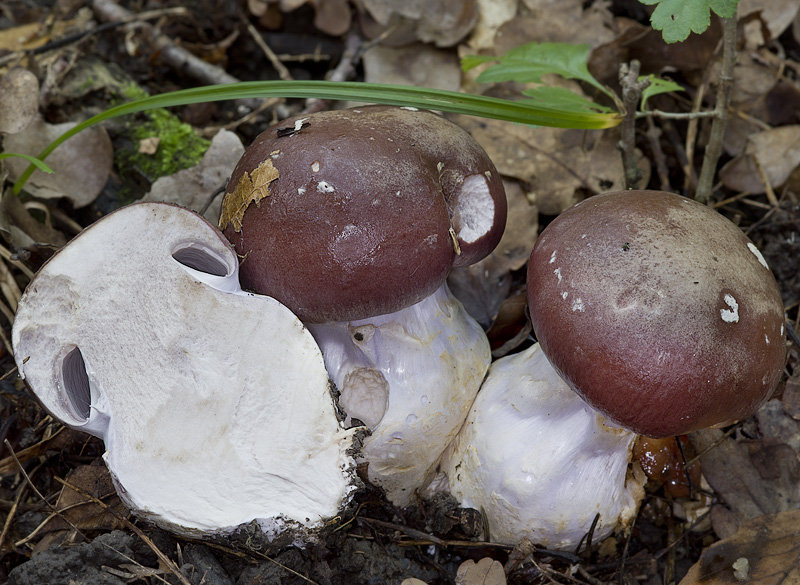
x=631 y=96
x=724 y=90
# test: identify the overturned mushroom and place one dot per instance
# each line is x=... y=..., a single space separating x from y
x=658 y=311
x=213 y=404
x=353 y=219
x=539 y=462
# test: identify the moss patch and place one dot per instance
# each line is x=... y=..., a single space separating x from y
x=180 y=147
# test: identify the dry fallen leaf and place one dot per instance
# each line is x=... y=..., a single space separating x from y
x=753 y=478
x=82 y=164
x=770 y=156
x=485 y=572
x=19 y=100
x=251 y=188
x=191 y=188
x=764 y=551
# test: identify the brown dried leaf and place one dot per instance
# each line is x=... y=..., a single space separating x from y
x=749 y=484
x=487 y=571
x=442 y=22
x=417 y=64
x=763 y=552
x=19 y=100
x=250 y=189
x=191 y=188
x=82 y=164
x=775 y=151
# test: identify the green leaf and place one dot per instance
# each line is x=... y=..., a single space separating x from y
x=676 y=19
x=564 y=99
x=527 y=63
x=39 y=164
x=657 y=86
x=398 y=95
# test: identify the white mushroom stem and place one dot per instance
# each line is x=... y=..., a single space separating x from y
x=213 y=404
x=538 y=461
x=410 y=376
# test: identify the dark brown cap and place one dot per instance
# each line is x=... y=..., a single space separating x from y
x=658 y=311
x=348 y=214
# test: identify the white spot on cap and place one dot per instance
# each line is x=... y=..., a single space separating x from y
x=474 y=209
x=766 y=338
x=301 y=190
x=730 y=315
x=564 y=295
x=315 y=166
x=298 y=124
x=756 y=251
x=409 y=108
x=557 y=272
x=325 y=187
x=577 y=305
x=552 y=257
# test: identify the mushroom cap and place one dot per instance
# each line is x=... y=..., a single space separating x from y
x=214 y=404
x=658 y=311
x=349 y=214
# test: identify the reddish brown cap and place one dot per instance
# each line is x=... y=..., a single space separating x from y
x=658 y=311
x=348 y=214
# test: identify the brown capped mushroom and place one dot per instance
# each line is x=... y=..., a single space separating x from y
x=350 y=214
x=658 y=311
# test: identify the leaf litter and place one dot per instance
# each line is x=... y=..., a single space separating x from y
x=740 y=523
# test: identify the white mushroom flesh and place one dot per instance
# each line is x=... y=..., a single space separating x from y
x=411 y=376
x=214 y=404
x=538 y=461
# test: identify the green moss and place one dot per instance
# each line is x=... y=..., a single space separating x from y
x=180 y=147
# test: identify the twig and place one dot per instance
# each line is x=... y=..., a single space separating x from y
x=631 y=95
x=169 y=563
x=283 y=72
x=173 y=55
x=714 y=148
x=654 y=136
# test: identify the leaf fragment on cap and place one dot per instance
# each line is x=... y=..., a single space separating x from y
x=251 y=188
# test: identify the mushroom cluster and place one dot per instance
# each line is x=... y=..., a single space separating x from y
x=214 y=404
x=353 y=219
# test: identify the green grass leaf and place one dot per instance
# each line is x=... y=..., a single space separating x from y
x=676 y=19
x=398 y=95
x=39 y=164
x=657 y=86
x=527 y=63
x=564 y=99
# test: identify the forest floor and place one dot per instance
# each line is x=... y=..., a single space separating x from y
x=737 y=520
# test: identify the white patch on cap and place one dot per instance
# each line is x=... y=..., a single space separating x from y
x=474 y=209
x=325 y=187
x=315 y=166
x=752 y=247
x=564 y=295
x=730 y=315
x=577 y=305
x=766 y=338
x=552 y=257
x=301 y=190
x=557 y=272
x=409 y=108
x=298 y=124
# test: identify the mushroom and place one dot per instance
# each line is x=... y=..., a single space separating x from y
x=214 y=404
x=538 y=462
x=353 y=219
x=658 y=311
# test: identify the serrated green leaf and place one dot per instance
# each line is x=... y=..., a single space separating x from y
x=676 y=19
x=657 y=86
x=527 y=63
x=565 y=100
